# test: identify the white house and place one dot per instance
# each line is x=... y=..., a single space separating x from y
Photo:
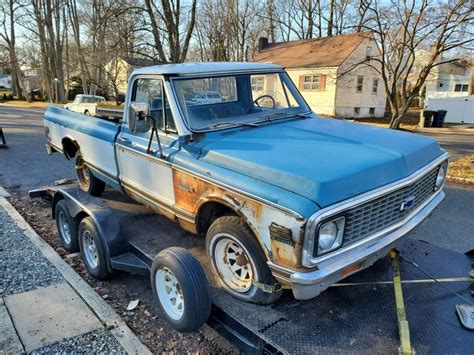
x=6 y=81
x=445 y=80
x=331 y=73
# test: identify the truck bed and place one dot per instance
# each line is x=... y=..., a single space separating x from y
x=95 y=136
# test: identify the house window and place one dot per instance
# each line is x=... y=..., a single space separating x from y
x=360 y=83
x=369 y=53
x=356 y=110
x=257 y=83
x=372 y=111
x=375 y=86
x=461 y=87
x=314 y=82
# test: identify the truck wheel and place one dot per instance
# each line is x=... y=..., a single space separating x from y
x=92 y=249
x=86 y=112
x=67 y=227
x=87 y=181
x=238 y=260
x=181 y=289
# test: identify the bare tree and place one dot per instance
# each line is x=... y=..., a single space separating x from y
x=169 y=13
x=401 y=29
x=8 y=35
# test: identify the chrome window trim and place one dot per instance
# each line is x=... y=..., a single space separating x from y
x=311 y=226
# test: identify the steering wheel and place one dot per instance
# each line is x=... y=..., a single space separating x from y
x=262 y=97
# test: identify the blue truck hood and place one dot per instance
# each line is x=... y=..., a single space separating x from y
x=324 y=160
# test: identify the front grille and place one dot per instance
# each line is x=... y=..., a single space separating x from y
x=375 y=215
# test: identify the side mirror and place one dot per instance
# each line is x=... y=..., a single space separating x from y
x=138 y=119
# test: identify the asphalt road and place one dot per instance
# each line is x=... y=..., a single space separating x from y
x=25 y=164
x=455 y=143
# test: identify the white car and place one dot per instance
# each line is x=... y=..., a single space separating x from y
x=86 y=104
x=207 y=97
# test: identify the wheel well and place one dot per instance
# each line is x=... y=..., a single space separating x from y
x=70 y=147
x=209 y=212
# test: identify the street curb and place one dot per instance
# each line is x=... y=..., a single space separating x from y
x=106 y=314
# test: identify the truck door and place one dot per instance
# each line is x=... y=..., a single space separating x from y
x=142 y=173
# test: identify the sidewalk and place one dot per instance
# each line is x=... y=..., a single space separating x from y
x=45 y=306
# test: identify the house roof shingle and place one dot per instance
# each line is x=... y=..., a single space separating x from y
x=311 y=53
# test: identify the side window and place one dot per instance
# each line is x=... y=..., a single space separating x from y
x=152 y=92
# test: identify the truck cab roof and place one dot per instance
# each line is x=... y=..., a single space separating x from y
x=204 y=67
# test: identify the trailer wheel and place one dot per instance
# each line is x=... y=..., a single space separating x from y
x=87 y=181
x=181 y=289
x=238 y=261
x=93 y=250
x=67 y=227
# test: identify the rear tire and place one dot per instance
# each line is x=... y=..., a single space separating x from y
x=87 y=181
x=93 y=250
x=67 y=227
x=238 y=261
x=181 y=289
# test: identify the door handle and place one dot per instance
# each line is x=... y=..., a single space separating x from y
x=122 y=140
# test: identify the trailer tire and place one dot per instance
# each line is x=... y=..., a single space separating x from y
x=67 y=226
x=93 y=250
x=175 y=272
x=227 y=236
x=87 y=181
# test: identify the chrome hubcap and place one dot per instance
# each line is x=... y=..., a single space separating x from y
x=170 y=293
x=233 y=264
x=90 y=250
x=64 y=227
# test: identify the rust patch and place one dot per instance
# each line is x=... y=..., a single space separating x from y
x=190 y=192
x=286 y=254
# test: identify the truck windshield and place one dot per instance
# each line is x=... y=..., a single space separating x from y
x=216 y=102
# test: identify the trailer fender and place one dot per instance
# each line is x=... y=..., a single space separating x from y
x=79 y=203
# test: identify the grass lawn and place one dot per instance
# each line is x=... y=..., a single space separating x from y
x=462 y=170
x=21 y=103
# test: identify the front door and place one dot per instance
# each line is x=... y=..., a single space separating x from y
x=143 y=173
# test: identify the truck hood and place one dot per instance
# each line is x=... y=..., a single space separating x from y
x=324 y=160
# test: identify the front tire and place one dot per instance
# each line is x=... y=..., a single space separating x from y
x=181 y=289
x=87 y=181
x=238 y=261
x=67 y=227
x=93 y=250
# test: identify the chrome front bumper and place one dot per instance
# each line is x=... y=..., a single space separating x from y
x=307 y=285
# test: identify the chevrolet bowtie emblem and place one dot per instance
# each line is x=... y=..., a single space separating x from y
x=407 y=203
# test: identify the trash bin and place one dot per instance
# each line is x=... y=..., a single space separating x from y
x=440 y=117
x=428 y=115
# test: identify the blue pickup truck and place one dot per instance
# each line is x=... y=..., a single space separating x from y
x=282 y=196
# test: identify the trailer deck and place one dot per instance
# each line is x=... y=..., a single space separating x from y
x=356 y=315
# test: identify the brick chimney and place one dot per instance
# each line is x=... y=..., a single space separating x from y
x=262 y=43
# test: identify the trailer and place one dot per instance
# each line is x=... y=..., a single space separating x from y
x=403 y=303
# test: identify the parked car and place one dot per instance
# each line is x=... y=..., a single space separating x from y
x=207 y=97
x=86 y=104
x=282 y=196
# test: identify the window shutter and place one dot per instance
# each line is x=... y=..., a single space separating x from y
x=322 y=83
x=301 y=84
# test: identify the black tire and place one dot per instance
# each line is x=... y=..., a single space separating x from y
x=88 y=234
x=87 y=113
x=87 y=181
x=67 y=227
x=231 y=229
x=192 y=286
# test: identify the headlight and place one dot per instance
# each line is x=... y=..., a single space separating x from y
x=440 y=177
x=330 y=235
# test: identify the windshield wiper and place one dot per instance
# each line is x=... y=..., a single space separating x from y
x=274 y=115
x=232 y=123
